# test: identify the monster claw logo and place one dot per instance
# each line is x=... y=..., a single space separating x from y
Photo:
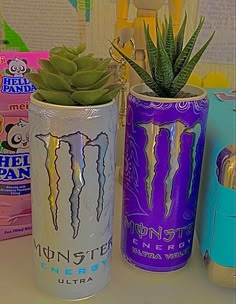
x=77 y=143
x=101 y=141
x=51 y=167
x=175 y=132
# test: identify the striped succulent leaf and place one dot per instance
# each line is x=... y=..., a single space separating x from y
x=164 y=29
x=143 y=74
x=170 y=41
x=169 y=60
x=164 y=73
x=179 y=40
x=151 y=51
x=183 y=76
x=184 y=56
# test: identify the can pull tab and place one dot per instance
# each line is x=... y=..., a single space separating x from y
x=226 y=167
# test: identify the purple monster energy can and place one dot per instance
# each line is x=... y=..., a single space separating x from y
x=162 y=165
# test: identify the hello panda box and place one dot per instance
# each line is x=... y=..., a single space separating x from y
x=15 y=190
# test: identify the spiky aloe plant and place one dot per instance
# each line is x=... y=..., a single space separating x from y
x=70 y=78
x=169 y=60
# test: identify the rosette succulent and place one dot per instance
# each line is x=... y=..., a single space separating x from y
x=169 y=60
x=70 y=78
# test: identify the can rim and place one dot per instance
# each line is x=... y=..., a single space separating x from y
x=42 y=104
x=138 y=90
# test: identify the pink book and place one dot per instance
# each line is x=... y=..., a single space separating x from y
x=15 y=91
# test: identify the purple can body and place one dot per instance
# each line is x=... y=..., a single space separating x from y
x=164 y=146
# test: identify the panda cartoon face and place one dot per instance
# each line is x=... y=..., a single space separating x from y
x=17 y=67
x=17 y=136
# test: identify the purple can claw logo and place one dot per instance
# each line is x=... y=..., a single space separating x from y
x=175 y=132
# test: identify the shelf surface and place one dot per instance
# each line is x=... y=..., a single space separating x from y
x=128 y=285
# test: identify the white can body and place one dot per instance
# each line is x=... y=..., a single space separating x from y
x=73 y=170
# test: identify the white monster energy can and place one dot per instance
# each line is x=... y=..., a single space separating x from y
x=73 y=168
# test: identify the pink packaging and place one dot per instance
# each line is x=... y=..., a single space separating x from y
x=15 y=90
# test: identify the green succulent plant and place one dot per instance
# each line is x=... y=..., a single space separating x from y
x=71 y=78
x=169 y=60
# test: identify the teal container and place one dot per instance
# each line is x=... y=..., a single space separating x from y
x=216 y=222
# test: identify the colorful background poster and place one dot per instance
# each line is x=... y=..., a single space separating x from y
x=39 y=25
x=219 y=17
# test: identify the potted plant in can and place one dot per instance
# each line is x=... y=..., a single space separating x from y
x=165 y=133
x=73 y=117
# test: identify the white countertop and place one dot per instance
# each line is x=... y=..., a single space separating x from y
x=129 y=285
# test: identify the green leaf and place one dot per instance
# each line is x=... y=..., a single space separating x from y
x=86 y=63
x=90 y=54
x=75 y=51
x=164 y=73
x=46 y=65
x=170 y=41
x=164 y=31
x=70 y=50
x=184 y=56
x=63 y=65
x=37 y=96
x=62 y=52
x=102 y=81
x=113 y=90
x=54 y=81
x=158 y=30
x=104 y=64
x=151 y=50
x=57 y=51
x=84 y=79
x=113 y=86
x=81 y=48
x=59 y=98
x=179 y=40
x=164 y=35
x=147 y=79
x=182 y=78
x=36 y=80
x=69 y=55
x=67 y=78
x=88 y=97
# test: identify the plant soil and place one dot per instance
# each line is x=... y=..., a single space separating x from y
x=181 y=94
